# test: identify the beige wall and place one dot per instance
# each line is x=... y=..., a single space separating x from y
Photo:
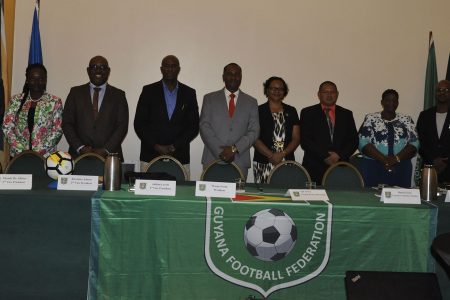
x=363 y=46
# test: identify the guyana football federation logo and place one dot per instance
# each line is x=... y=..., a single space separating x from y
x=270 y=234
x=267 y=246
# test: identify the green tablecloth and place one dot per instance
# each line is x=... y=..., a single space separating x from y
x=146 y=247
x=44 y=244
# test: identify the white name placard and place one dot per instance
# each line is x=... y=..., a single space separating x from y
x=77 y=183
x=308 y=195
x=16 y=181
x=155 y=187
x=447 y=196
x=400 y=196
x=215 y=189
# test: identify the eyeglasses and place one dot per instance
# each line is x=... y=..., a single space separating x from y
x=101 y=68
x=276 y=89
x=443 y=90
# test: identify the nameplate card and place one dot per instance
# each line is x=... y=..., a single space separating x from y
x=155 y=187
x=447 y=196
x=77 y=183
x=400 y=196
x=215 y=189
x=308 y=195
x=16 y=181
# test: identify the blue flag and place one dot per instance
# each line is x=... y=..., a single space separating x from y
x=35 y=55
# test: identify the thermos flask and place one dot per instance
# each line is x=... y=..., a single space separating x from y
x=428 y=183
x=112 y=173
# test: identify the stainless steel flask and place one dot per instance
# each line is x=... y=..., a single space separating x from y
x=112 y=175
x=428 y=183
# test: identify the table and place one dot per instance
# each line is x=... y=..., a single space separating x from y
x=44 y=244
x=154 y=247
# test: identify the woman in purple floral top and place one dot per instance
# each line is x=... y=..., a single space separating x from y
x=33 y=118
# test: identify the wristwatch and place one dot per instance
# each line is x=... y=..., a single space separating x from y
x=234 y=149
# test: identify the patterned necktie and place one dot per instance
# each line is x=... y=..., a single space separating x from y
x=231 y=105
x=95 y=102
x=330 y=123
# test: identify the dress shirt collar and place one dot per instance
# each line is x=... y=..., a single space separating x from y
x=92 y=86
x=228 y=93
x=332 y=111
x=166 y=88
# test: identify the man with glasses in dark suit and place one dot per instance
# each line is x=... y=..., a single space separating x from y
x=433 y=127
x=95 y=117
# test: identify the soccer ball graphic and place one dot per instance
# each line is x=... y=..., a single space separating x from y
x=58 y=163
x=270 y=234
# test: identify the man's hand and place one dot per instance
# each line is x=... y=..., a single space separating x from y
x=227 y=154
x=85 y=149
x=164 y=149
x=100 y=151
x=332 y=159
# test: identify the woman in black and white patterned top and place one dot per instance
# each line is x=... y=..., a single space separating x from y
x=279 y=133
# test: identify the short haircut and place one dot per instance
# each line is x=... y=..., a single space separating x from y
x=267 y=83
x=389 y=92
x=327 y=83
x=231 y=64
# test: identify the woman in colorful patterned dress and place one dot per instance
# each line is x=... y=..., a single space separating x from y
x=33 y=118
x=279 y=130
x=388 y=141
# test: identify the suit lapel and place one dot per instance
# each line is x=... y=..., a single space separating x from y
x=162 y=102
x=86 y=100
x=179 y=105
x=445 y=128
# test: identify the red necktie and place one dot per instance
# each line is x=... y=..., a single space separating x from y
x=95 y=102
x=231 y=105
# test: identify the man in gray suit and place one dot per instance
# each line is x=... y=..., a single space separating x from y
x=229 y=123
x=95 y=117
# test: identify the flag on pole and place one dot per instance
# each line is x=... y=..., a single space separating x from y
x=35 y=54
x=428 y=100
x=448 y=68
x=3 y=67
x=430 y=76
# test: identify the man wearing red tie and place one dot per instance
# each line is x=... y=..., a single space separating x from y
x=328 y=132
x=229 y=123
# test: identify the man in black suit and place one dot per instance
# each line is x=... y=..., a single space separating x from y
x=327 y=132
x=167 y=117
x=95 y=117
x=433 y=127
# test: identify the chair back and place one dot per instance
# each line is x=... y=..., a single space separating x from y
x=222 y=172
x=27 y=162
x=289 y=174
x=342 y=175
x=168 y=164
x=89 y=164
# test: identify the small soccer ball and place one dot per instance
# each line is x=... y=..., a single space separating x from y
x=270 y=234
x=58 y=163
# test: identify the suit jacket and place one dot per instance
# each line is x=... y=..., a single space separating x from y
x=431 y=145
x=316 y=141
x=107 y=131
x=152 y=124
x=267 y=126
x=218 y=129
